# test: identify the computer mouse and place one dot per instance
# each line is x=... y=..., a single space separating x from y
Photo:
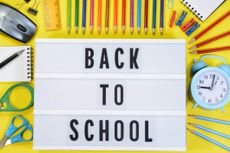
x=16 y=24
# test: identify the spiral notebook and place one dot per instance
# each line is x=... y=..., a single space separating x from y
x=19 y=69
x=202 y=8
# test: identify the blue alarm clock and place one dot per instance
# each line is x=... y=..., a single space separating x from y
x=210 y=86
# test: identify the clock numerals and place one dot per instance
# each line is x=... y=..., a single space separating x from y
x=211 y=87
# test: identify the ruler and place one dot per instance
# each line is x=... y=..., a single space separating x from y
x=52 y=13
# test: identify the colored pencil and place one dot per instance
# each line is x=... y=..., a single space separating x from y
x=131 y=15
x=210 y=50
x=99 y=16
x=123 y=15
x=69 y=16
x=154 y=16
x=162 y=17
x=209 y=139
x=107 y=16
x=210 y=130
x=115 y=15
x=84 y=16
x=210 y=119
x=139 y=16
x=91 y=15
x=146 y=16
x=76 y=15
x=208 y=41
x=227 y=14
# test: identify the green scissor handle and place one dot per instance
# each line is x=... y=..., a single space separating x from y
x=5 y=100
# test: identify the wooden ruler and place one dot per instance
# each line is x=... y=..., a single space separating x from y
x=52 y=13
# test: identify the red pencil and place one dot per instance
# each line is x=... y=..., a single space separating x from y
x=146 y=16
x=210 y=27
x=123 y=15
x=203 y=51
x=203 y=43
x=107 y=16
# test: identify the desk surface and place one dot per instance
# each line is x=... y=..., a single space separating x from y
x=194 y=144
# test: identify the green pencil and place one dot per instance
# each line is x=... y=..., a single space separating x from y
x=76 y=15
x=69 y=16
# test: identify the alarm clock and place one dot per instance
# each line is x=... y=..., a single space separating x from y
x=210 y=86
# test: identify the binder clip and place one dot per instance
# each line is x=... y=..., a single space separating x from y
x=34 y=9
x=188 y=25
x=192 y=29
x=181 y=19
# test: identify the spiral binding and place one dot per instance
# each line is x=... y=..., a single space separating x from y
x=170 y=4
x=192 y=9
x=29 y=64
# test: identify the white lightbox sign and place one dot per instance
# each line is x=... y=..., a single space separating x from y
x=110 y=94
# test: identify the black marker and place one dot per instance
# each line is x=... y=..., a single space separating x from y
x=11 y=58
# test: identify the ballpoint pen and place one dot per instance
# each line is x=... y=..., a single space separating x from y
x=11 y=58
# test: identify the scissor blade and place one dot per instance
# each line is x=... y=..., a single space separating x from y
x=3 y=141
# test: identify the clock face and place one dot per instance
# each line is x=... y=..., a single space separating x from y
x=211 y=87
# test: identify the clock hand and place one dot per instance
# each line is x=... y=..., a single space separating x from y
x=213 y=79
x=202 y=87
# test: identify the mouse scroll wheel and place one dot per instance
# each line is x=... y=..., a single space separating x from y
x=21 y=27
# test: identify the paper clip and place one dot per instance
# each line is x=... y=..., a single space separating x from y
x=181 y=19
x=172 y=20
x=192 y=29
x=187 y=25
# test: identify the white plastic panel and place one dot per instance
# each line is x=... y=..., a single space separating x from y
x=86 y=94
x=68 y=56
x=155 y=132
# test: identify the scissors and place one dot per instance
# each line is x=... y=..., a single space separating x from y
x=5 y=104
x=25 y=126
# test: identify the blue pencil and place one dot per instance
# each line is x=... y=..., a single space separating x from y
x=209 y=139
x=84 y=16
x=154 y=16
x=210 y=131
x=139 y=16
x=210 y=119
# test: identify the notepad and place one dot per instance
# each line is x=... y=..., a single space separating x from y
x=19 y=69
x=202 y=8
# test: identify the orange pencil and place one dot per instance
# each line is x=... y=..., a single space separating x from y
x=99 y=16
x=115 y=15
x=123 y=15
x=107 y=16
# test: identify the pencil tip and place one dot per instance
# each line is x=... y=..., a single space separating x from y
x=76 y=29
x=192 y=48
x=190 y=115
x=190 y=130
x=191 y=41
x=106 y=30
x=193 y=52
x=153 y=31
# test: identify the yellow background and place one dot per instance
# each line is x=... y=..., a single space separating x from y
x=194 y=143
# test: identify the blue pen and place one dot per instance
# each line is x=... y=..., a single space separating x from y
x=139 y=16
x=84 y=16
x=209 y=139
x=154 y=16
x=210 y=130
x=210 y=119
x=192 y=29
